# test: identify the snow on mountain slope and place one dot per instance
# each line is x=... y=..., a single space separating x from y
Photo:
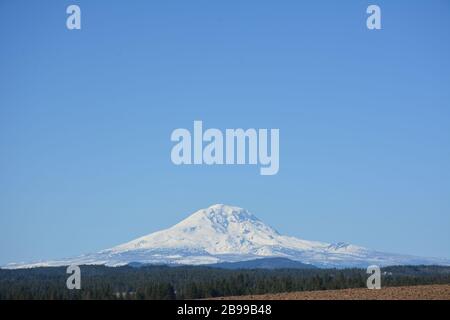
x=224 y=233
x=220 y=229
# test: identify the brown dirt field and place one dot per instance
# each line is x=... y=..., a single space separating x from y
x=428 y=292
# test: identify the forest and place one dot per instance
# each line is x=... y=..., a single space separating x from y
x=188 y=282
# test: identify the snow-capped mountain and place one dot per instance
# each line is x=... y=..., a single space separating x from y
x=224 y=233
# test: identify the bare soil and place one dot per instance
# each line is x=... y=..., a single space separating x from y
x=428 y=292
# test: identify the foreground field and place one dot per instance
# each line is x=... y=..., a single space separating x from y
x=428 y=292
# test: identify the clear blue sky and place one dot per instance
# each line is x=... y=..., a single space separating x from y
x=86 y=118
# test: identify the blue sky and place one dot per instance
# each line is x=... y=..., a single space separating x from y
x=86 y=118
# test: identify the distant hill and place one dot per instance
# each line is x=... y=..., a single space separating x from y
x=263 y=263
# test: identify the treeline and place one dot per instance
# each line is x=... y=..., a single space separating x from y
x=162 y=282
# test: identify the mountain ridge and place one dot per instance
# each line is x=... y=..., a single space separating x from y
x=263 y=263
x=223 y=233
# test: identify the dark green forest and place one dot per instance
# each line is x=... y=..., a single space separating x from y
x=163 y=282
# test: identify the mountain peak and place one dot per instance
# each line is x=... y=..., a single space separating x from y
x=224 y=209
x=220 y=207
x=218 y=229
x=221 y=218
x=219 y=212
